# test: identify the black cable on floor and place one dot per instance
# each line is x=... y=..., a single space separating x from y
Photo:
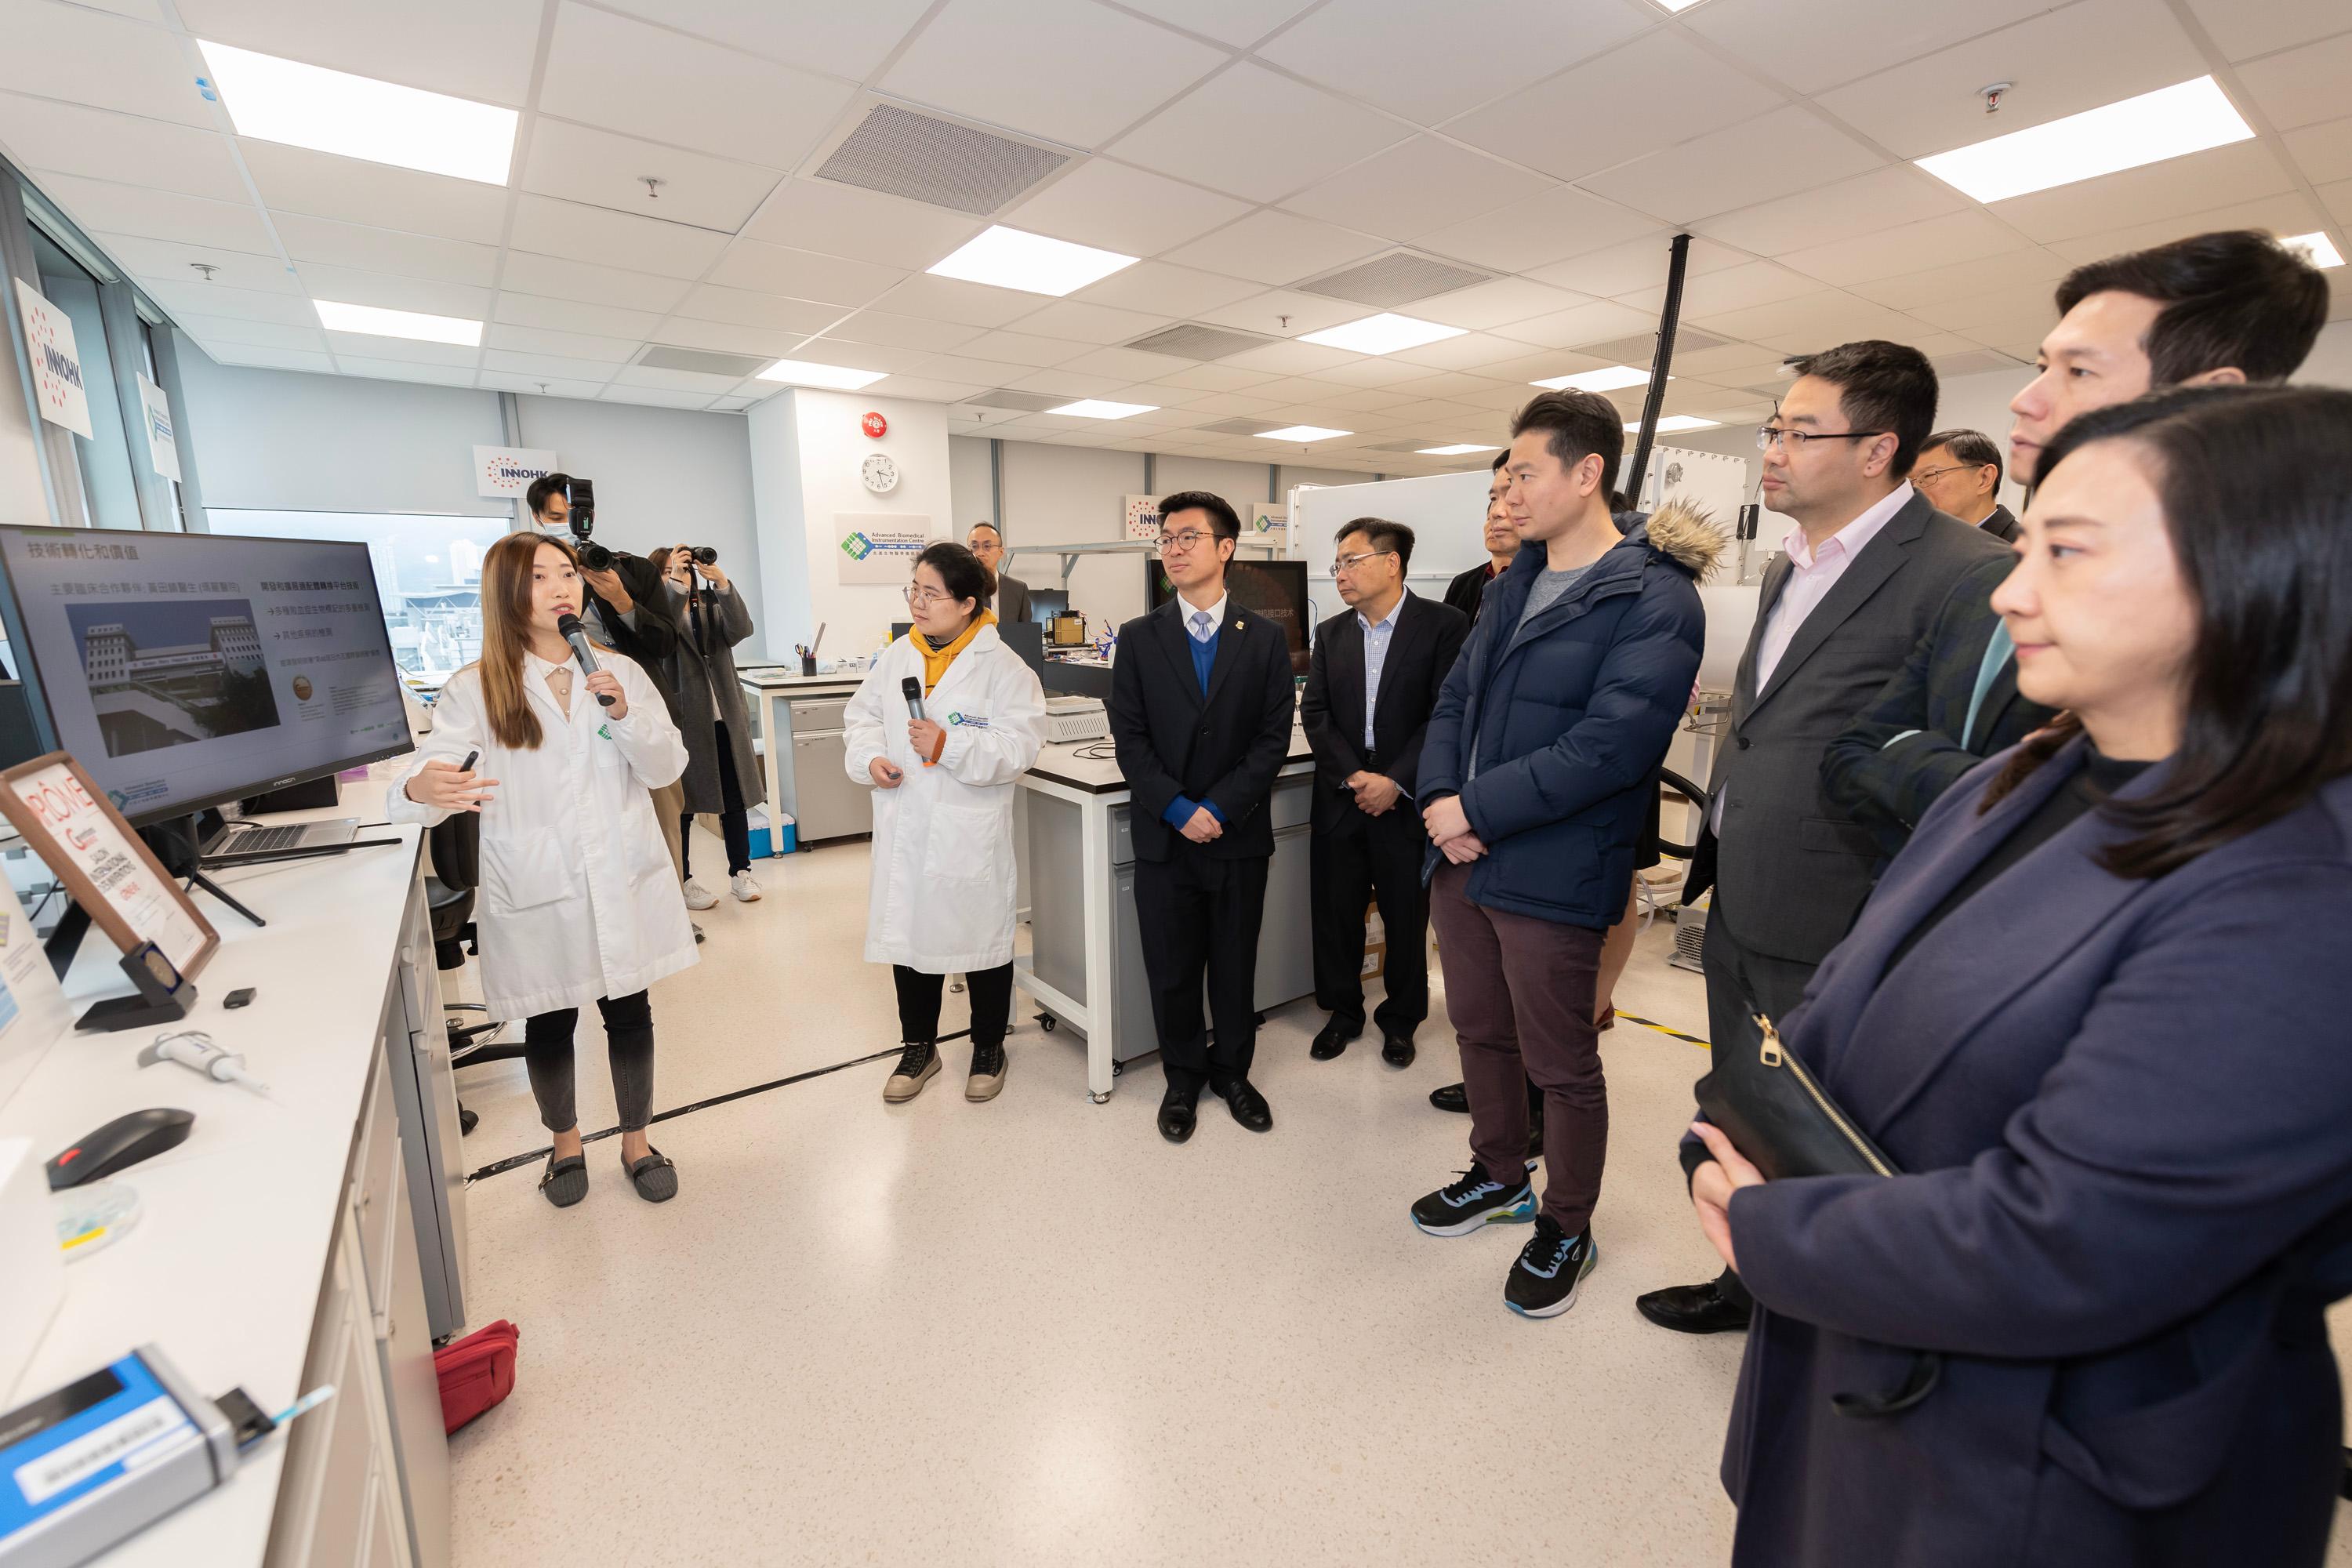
x=514 y=1162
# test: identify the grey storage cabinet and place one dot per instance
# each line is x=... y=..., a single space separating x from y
x=827 y=803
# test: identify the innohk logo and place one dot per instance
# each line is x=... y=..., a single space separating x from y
x=506 y=474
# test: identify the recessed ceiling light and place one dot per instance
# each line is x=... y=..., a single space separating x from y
x=2316 y=246
x=2166 y=123
x=1382 y=334
x=1456 y=450
x=338 y=317
x=808 y=373
x=1302 y=432
x=1100 y=408
x=275 y=99
x=1010 y=259
x=1614 y=378
x=1674 y=422
x=1676 y=4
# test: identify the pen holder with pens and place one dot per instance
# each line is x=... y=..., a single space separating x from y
x=808 y=664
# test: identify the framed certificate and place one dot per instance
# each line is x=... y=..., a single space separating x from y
x=103 y=863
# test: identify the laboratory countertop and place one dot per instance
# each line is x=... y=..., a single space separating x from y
x=1089 y=765
x=778 y=679
x=223 y=1267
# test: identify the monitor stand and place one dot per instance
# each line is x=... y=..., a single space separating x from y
x=175 y=842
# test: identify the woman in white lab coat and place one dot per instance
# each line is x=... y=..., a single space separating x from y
x=943 y=881
x=577 y=900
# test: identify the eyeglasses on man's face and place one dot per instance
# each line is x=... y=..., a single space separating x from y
x=1350 y=562
x=1770 y=436
x=1183 y=543
x=1926 y=474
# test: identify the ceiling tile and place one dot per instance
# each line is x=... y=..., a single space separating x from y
x=196 y=298
x=1471 y=350
x=1776 y=155
x=1561 y=223
x=1386 y=51
x=1816 y=322
x=472 y=48
x=586 y=165
x=725 y=337
x=1595 y=324
x=404 y=370
x=886 y=331
x=266 y=334
x=1959 y=237
x=842 y=220
x=2323 y=151
x=1638 y=264
x=370 y=345
x=678 y=379
x=1084 y=323
x=1020 y=348
x=1265 y=312
x=1496 y=304
x=1543 y=366
x=562 y=280
x=1909 y=290
x=2243 y=31
x=572 y=316
x=2288 y=213
x=1163 y=289
x=354 y=286
x=1288 y=359
x=1067 y=70
x=1812 y=45
x=1416 y=186
x=1071 y=384
x=1275 y=247
x=386 y=250
x=1215 y=378
x=829 y=350
x=846 y=40
x=1132 y=211
x=2339 y=200
x=1374 y=373
x=639 y=243
x=2301 y=87
x=1732 y=289
x=801 y=274
x=351 y=190
x=2240 y=171
x=953 y=299
x=2112 y=49
x=544 y=385
x=923 y=389
x=270 y=359
x=1652 y=93
x=1256 y=135
x=644 y=81
x=1980 y=315
x=166 y=262
x=152 y=214
x=570 y=345
x=653 y=397
x=54 y=50
x=1128 y=364
x=744 y=308
x=45 y=135
x=1883 y=198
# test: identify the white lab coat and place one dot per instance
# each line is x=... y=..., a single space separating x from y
x=944 y=884
x=579 y=898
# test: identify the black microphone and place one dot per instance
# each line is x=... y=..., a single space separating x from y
x=912 y=689
x=577 y=636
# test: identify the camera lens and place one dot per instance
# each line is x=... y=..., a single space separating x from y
x=706 y=554
x=596 y=557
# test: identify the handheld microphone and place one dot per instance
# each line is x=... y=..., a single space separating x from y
x=912 y=689
x=577 y=636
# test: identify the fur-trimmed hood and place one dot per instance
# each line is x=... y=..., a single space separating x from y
x=1687 y=535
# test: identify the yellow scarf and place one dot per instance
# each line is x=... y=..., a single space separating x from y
x=936 y=660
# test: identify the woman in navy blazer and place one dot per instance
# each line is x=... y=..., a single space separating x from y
x=2116 y=1073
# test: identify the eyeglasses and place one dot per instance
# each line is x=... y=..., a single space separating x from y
x=920 y=598
x=1350 y=562
x=1953 y=468
x=1180 y=543
x=1767 y=437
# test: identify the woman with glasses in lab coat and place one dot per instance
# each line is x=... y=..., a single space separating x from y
x=943 y=896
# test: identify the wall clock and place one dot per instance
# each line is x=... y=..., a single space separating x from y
x=880 y=473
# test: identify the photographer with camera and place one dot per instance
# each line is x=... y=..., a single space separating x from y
x=711 y=619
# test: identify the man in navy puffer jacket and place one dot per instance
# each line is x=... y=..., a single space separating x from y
x=1536 y=775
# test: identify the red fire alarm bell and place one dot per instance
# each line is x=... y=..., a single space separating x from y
x=874 y=425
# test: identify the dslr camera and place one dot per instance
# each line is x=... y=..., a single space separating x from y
x=705 y=555
x=581 y=495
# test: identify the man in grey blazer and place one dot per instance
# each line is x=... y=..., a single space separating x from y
x=987 y=542
x=1863 y=573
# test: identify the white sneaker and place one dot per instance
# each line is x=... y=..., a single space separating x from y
x=746 y=890
x=698 y=896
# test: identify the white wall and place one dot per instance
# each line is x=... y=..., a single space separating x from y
x=807 y=449
x=1072 y=495
x=21 y=496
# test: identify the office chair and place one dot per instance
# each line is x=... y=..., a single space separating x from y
x=454 y=849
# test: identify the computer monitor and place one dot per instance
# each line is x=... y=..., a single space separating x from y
x=184 y=670
x=1045 y=603
x=1026 y=638
x=1274 y=589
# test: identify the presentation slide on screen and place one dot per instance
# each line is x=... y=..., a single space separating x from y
x=182 y=667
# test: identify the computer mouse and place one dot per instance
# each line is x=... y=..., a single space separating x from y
x=120 y=1144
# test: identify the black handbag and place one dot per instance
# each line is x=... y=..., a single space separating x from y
x=1775 y=1112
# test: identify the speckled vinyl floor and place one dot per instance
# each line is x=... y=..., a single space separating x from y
x=1031 y=1332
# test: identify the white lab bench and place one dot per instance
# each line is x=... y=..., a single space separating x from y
x=279 y=1247
x=798 y=720
x=1079 y=870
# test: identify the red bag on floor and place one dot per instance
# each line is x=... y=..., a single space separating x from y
x=477 y=1372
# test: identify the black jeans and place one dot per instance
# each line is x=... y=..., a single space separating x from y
x=734 y=820
x=991 y=990
x=628 y=1034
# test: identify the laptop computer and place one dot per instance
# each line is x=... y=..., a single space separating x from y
x=238 y=837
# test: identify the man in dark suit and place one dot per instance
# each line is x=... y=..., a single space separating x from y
x=1375 y=676
x=1201 y=717
x=1959 y=473
x=1867 y=567
x=1502 y=542
x=986 y=541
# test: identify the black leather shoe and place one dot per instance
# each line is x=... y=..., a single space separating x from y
x=1396 y=1049
x=1333 y=1037
x=1692 y=1309
x=1452 y=1096
x=1177 y=1117
x=1248 y=1105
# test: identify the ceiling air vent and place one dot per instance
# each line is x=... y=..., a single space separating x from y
x=1025 y=402
x=1244 y=426
x=1397 y=278
x=703 y=362
x=902 y=154
x=1189 y=340
x=1642 y=348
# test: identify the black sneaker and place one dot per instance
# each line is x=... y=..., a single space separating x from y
x=1475 y=1201
x=1544 y=1282
x=917 y=1065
